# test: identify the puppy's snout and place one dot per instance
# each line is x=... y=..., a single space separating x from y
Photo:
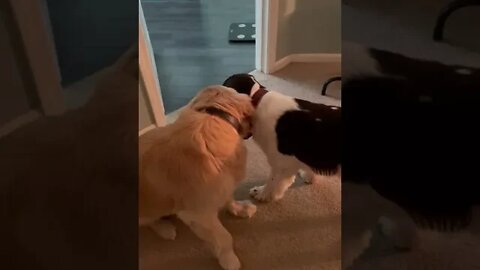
x=247 y=136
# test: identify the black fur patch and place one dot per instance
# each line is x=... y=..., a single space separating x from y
x=241 y=82
x=312 y=135
x=415 y=137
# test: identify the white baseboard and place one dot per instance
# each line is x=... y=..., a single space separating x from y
x=280 y=64
x=146 y=129
x=306 y=58
x=19 y=121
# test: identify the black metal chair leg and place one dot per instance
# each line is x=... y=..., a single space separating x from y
x=446 y=12
x=325 y=85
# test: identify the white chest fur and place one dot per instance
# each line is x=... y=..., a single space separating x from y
x=272 y=106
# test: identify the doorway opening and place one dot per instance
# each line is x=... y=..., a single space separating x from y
x=199 y=43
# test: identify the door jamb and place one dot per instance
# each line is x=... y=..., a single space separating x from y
x=266 y=20
x=40 y=52
x=148 y=71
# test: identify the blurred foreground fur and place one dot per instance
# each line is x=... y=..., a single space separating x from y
x=412 y=144
x=68 y=183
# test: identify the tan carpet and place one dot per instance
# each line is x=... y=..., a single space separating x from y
x=302 y=231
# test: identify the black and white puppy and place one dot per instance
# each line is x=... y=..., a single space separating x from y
x=295 y=135
x=411 y=140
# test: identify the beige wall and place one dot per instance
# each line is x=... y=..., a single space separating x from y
x=308 y=26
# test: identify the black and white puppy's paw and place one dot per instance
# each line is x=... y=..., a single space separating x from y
x=265 y=194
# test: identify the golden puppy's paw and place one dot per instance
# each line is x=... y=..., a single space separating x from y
x=229 y=261
x=243 y=209
x=164 y=229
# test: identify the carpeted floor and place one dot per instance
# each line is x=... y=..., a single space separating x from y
x=301 y=231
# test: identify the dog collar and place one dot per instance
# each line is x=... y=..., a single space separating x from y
x=224 y=115
x=258 y=96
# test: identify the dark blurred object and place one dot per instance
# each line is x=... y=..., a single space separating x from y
x=68 y=174
x=445 y=14
x=325 y=85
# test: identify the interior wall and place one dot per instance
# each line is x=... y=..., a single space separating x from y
x=308 y=26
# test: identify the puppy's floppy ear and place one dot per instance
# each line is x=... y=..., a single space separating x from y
x=205 y=96
x=246 y=111
x=117 y=84
x=255 y=81
x=244 y=104
x=242 y=83
x=247 y=127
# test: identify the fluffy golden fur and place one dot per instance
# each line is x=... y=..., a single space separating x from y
x=191 y=167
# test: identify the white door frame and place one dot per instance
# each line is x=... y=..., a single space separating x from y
x=148 y=73
x=266 y=20
x=40 y=51
x=40 y=54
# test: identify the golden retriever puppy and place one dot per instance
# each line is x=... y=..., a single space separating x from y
x=191 y=167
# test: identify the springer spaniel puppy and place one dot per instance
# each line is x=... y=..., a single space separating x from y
x=295 y=135
x=412 y=143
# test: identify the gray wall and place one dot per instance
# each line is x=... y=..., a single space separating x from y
x=88 y=37
x=308 y=26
